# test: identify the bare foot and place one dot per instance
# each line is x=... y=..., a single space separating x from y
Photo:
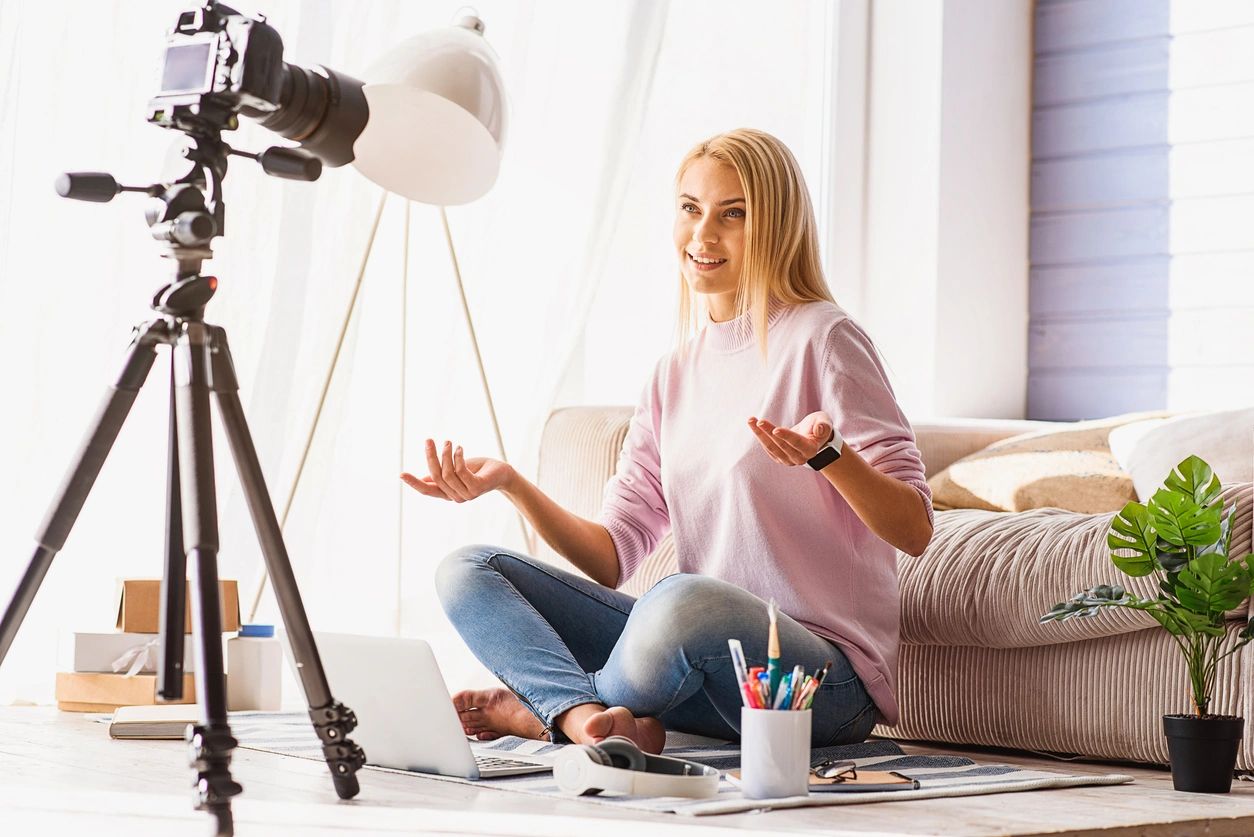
x=648 y=733
x=490 y=713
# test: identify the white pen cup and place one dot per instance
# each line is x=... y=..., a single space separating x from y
x=774 y=753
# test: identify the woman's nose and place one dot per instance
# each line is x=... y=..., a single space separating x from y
x=704 y=231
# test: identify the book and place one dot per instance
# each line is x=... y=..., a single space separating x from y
x=161 y=721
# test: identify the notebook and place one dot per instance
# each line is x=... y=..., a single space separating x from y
x=867 y=781
x=159 y=721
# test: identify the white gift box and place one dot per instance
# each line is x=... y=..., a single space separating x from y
x=96 y=652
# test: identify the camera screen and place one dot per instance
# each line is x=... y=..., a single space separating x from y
x=187 y=69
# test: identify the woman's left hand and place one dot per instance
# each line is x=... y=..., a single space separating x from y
x=793 y=446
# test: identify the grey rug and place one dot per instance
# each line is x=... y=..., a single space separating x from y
x=938 y=775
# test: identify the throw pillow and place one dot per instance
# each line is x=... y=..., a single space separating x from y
x=1150 y=449
x=1069 y=468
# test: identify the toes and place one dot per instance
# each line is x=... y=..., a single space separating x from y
x=598 y=726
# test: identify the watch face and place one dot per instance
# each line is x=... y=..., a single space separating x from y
x=823 y=458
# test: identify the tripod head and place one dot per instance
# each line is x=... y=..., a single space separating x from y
x=218 y=64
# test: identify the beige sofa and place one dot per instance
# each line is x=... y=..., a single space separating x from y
x=975 y=666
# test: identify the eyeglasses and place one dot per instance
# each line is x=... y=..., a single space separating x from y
x=837 y=771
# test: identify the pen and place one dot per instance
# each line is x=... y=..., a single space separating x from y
x=803 y=700
x=764 y=686
x=772 y=654
x=794 y=686
x=783 y=700
x=802 y=692
x=738 y=666
x=818 y=681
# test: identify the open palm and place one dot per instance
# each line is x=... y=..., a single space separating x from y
x=452 y=477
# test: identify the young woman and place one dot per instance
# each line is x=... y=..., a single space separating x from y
x=716 y=453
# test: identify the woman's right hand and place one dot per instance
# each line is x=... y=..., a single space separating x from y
x=456 y=478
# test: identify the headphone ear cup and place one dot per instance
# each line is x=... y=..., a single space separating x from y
x=572 y=765
x=622 y=752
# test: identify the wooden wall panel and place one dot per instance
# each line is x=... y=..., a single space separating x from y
x=1142 y=197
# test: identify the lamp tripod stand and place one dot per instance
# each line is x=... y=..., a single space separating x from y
x=200 y=364
x=527 y=534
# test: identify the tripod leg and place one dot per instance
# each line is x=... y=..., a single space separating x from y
x=331 y=719
x=82 y=474
x=211 y=742
x=174 y=579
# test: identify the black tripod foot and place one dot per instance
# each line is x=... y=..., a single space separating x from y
x=333 y=723
x=211 y=748
x=223 y=821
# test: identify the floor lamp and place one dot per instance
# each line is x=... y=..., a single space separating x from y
x=449 y=77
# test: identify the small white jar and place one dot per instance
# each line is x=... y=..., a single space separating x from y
x=254 y=665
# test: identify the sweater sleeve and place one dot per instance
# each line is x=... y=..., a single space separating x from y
x=860 y=400
x=633 y=508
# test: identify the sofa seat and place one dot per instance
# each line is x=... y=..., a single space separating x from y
x=975 y=666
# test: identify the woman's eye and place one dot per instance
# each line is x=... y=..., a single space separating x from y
x=741 y=211
x=685 y=206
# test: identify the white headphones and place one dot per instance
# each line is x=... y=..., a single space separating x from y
x=617 y=764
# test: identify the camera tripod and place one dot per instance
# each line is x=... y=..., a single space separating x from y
x=200 y=364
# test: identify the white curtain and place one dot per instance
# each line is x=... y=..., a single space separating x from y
x=566 y=261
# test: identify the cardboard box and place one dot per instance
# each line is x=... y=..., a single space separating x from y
x=86 y=692
x=96 y=652
x=140 y=608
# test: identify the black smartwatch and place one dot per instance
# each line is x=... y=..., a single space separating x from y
x=827 y=454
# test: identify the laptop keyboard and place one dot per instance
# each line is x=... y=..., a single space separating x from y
x=489 y=762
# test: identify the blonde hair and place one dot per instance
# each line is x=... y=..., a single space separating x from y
x=781 y=257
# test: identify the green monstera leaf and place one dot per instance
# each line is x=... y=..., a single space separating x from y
x=1211 y=585
x=1224 y=543
x=1133 y=530
x=1181 y=521
x=1194 y=478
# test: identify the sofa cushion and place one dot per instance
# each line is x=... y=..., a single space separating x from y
x=986 y=577
x=1068 y=468
x=1148 y=450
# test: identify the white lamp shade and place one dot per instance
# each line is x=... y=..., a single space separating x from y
x=437 y=117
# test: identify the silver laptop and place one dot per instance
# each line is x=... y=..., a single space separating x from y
x=405 y=717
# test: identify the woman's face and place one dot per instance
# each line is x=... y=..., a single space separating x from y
x=710 y=214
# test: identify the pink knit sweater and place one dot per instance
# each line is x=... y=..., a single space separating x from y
x=690 y=464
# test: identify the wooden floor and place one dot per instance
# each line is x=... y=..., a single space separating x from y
x=62 y=774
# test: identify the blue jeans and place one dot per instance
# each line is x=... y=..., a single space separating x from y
x=558 y=640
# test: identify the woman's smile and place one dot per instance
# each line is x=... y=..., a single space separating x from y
x=704 y=263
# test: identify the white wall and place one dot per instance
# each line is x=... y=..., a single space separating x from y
x=945 y=284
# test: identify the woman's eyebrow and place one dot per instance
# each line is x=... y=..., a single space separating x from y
x=724 y=203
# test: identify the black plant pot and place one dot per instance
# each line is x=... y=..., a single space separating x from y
x=1203 y=751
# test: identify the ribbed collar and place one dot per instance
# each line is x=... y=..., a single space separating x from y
x=737 y=334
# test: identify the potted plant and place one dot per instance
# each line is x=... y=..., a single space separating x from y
x=1182 y=536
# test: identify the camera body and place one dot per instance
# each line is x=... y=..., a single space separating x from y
x=217 y=62
x=220 y=63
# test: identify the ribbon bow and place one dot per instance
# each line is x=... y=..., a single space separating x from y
x=138 y=657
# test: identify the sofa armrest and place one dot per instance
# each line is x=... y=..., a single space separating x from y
x=987 y=577
x=943 y=441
